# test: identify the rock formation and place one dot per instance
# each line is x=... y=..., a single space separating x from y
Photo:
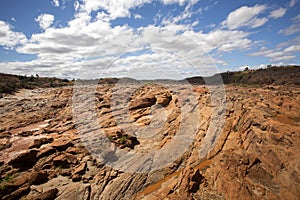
x=50 y=150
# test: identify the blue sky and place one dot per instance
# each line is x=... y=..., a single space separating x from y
x=146 y=38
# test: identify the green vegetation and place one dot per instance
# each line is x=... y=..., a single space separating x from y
x=122 y=139
x=284 y=75
x=272 y=75
x=110 y=138
x=12 y=83
x=288 y=75
x=4 y=181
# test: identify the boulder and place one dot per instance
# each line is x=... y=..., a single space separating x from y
x=164 y=99
x=61 y=145
x=142 y=102
x=80 y=169
x=74 y=150
x=4 y=143
x=24 y=190
x=25 y=160
x=40 y=141
x=45 y=151
x=76 y=177
x=47 y=195
x=64 y=160
x=65 y=172
x=37 y=178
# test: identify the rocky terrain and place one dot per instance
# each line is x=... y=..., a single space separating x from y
x=151 y=141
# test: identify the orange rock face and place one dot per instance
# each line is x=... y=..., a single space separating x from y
x=147 y=142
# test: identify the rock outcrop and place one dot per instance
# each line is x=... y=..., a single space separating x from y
x=142 y=146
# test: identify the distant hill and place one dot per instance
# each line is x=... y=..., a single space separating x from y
x=11 y=83
x=288 y=75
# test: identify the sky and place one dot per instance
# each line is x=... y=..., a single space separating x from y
x=146 y=39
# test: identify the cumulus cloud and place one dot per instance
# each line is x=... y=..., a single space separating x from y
x=45 y=20
x=9 y=38
x=83 y=39
x=245 y=17
x=80 y=39
x=275 y=14
x=171 y=44
x=89 y=44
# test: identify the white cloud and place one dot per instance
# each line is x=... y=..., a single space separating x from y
x=257 y=22
x=278 y=54
x=89 y=44
x=186 y=14
x=228 y=40
x=293 y=28
x=9 y=38
x=137 y=16
x=296 y=19
x=45 y=20
x=292 y=49
x=292 y=3
x=80 y=39
x=116 y=8
x=55 y=3
x=245 y=17
x=83 y=39
x=277 y=13
x=180 y=2
x=76 y=5
x=294 y=41
x=120 y=8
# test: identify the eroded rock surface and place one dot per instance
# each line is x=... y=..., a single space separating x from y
x=49 y=150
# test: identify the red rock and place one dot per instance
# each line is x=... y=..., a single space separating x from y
x=24 y=160
x=164 y=99
x=76 y=177
x=80 y=169
x=61 y=145
x=4 y=143
x=46 y=152
x=73 y=150
x=64 y=160
x=196 y=180
x=37 y=178
x=143 y=102
x=47 y=195
x=40 y=141
x=65 y=172
x=18 y=193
